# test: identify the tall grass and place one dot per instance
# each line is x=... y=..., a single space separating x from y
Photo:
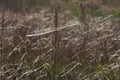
x=80 y=53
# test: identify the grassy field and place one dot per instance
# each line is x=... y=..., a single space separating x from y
x=92 y=7
x=65 y=44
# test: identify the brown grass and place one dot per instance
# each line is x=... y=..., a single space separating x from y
x=91 y=54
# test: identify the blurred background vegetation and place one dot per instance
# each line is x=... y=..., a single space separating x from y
x=93 y=7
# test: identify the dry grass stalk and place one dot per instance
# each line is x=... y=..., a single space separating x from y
x=2 y=30
x=55 y=38
x=83 y=17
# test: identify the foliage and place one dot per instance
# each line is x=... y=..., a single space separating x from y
x=86 y=48
x=91 y=54
x=117 y=13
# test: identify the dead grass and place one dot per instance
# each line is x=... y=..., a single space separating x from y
x=91 y=54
